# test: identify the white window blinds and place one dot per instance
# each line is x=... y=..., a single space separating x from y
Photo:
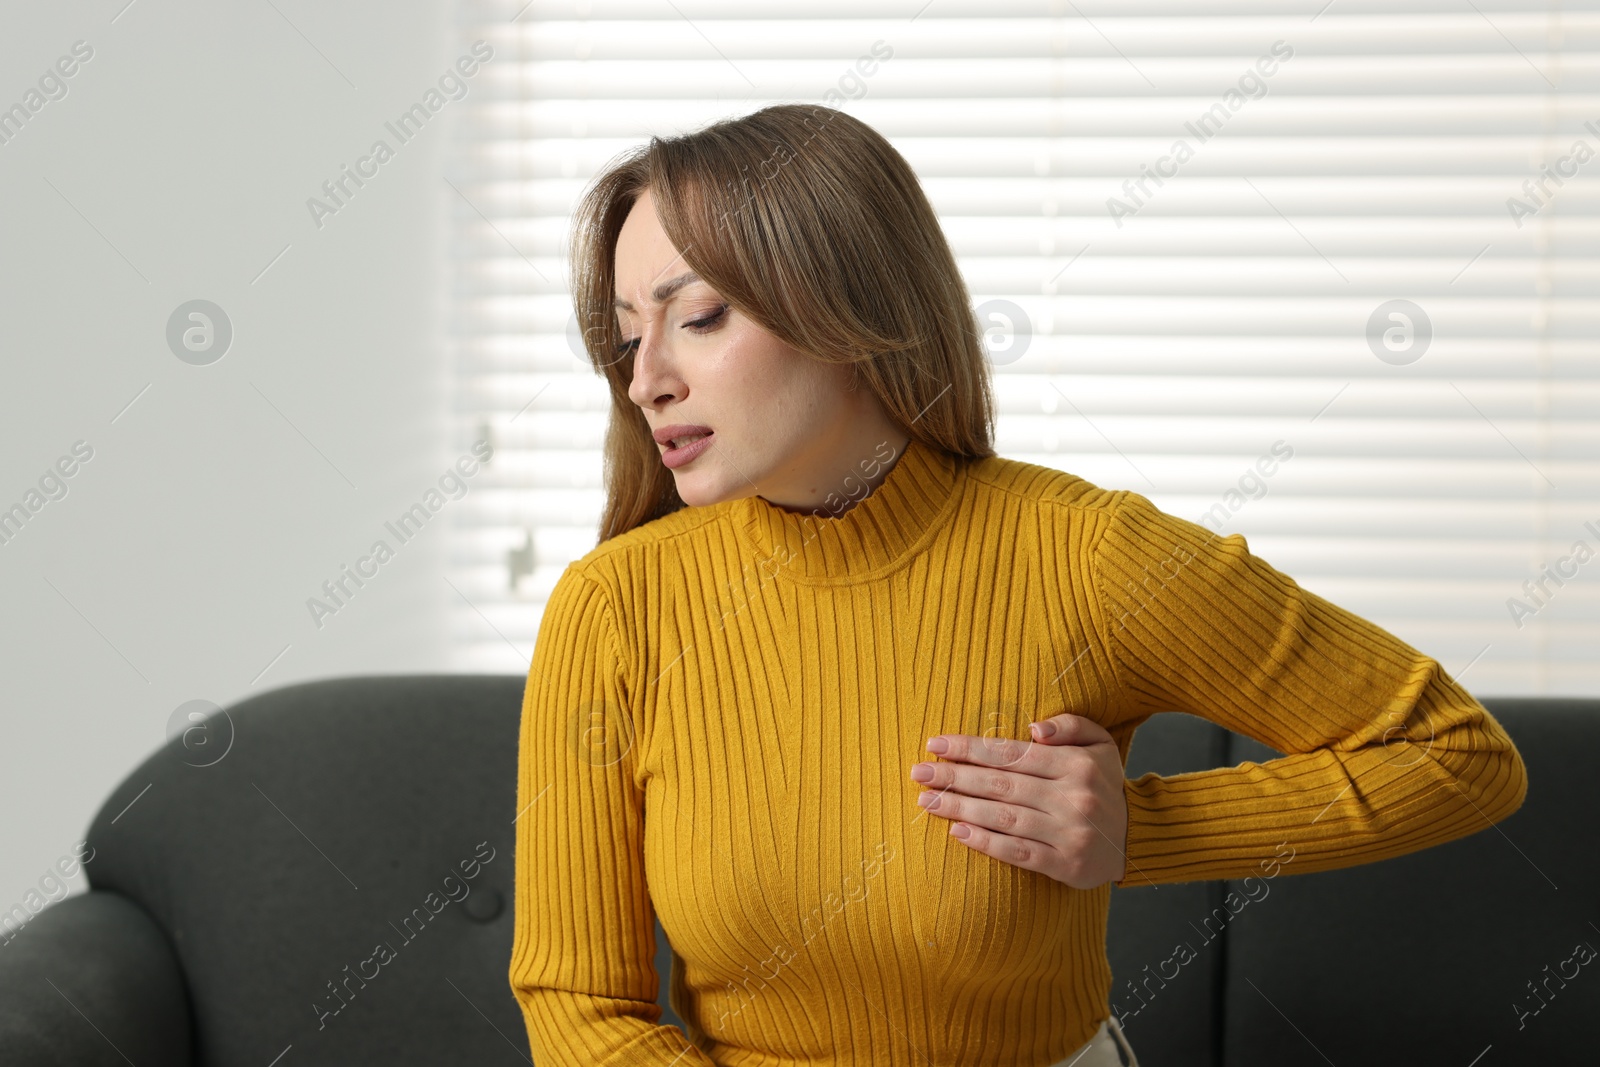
x=1320 y=273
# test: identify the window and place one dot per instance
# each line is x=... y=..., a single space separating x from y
x=1323 y=277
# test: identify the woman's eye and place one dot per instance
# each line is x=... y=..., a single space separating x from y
x=701 y=325
x=697 y=325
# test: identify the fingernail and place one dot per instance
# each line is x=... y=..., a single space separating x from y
x=922 y=772
x=938 y=745
x=1042 y=730
x=929 y=799
x=961 y=829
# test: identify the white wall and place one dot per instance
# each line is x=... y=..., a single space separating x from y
x=219 y=497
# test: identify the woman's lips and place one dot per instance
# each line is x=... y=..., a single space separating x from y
x=677 y=457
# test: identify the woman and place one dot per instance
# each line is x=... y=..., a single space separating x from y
x=845 y=697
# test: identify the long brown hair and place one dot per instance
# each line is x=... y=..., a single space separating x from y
x=811 y=223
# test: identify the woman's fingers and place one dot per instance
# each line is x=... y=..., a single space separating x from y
x=1041 y=793
x=1026 y=756
x=1022 y=756
x=1017 y=851
x=1014 y=819
x=1069 y=729
x=1054 y=804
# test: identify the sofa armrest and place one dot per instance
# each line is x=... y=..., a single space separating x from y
x=92 y=980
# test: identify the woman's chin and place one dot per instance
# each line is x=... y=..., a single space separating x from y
x=697 y=491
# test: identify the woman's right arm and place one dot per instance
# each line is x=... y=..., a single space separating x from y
x=583 y=947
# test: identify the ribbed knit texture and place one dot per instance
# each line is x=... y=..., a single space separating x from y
x=724 y=706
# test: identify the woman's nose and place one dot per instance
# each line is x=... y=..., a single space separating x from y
x=652 y=380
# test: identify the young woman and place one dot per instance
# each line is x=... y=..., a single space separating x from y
x=844 y=697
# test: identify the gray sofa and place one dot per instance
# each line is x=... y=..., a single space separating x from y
x=230 y=896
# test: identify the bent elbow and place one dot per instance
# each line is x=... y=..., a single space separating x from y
x=1513 y=772
x=1493 y=780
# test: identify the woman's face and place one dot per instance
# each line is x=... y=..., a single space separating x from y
x=783 y=426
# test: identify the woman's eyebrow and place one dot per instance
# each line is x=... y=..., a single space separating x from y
x=662 y=291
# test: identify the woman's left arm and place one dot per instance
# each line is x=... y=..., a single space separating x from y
x=1386 y=753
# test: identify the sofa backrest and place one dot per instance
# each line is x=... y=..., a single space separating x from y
x=1474 y=948
x=1171 y=1009
x=285 y=846
x=1470 y=952
x=336 y=876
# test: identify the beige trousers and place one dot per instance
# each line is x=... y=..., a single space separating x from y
x=1106 y=1048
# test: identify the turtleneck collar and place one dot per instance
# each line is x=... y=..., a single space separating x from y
x=874 y=536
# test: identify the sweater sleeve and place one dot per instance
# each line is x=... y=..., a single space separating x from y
x=1385 y=753
x=583 y=952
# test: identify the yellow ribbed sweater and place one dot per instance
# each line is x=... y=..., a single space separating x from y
x=724 y=706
